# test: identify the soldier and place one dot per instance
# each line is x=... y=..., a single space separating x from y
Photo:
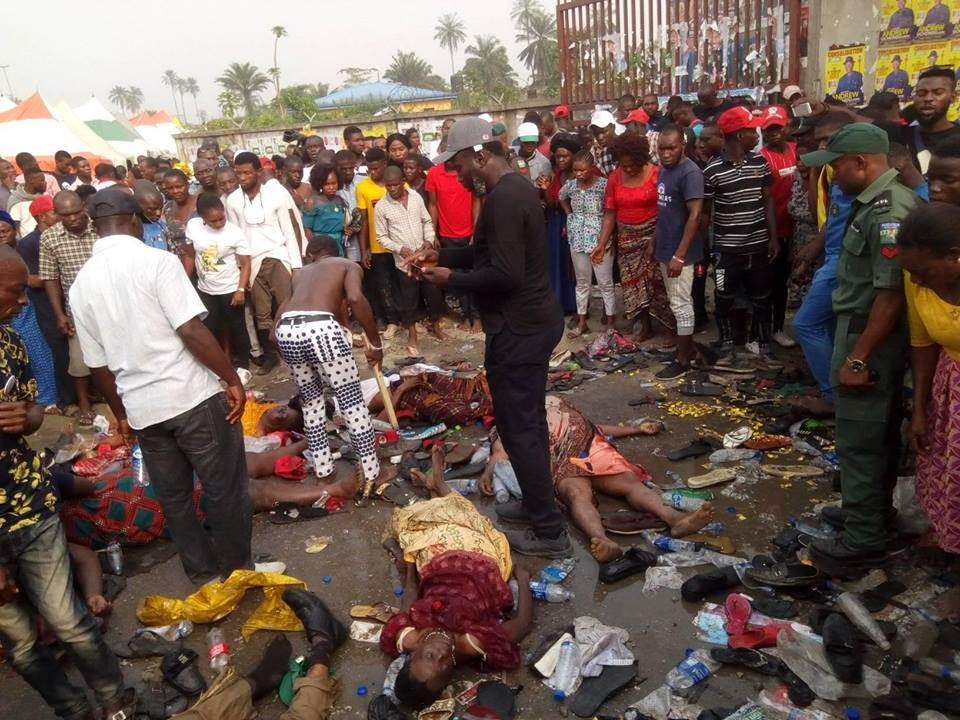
x=870 y=345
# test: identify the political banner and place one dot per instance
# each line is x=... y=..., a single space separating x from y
x=843 y=73
x=906 y=21
x=892 y=74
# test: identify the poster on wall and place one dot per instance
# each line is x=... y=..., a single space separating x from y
x=927 y=55
x=904 y=21
x=843 y=73
x=892 y=74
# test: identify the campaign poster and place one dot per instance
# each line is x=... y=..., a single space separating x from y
x=892 y=73
x=843 y=70
x=937 y=20
x=904 y=21
x=927 y=55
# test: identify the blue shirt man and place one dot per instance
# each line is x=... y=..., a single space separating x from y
x=897 y=81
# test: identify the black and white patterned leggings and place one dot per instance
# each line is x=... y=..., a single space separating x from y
x=320 y=357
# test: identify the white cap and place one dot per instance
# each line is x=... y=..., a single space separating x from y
x=486 y=116
x=602 y=119
x=528 y=132
x=790 y=90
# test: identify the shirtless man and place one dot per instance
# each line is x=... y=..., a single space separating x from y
x=313 y=340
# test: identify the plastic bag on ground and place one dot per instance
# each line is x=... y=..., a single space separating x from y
x=662 y=577
x=217 y=600
x=600 y=645
x=910 y=516
x=699 y=557
x=804 y=654
x=662 y=704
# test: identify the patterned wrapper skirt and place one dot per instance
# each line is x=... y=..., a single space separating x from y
x=640 y=277
x=938 y=469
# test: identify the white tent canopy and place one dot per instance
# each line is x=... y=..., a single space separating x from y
x=119 y=135
x=61 y=110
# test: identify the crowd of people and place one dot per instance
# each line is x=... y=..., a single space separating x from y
x=159 y=285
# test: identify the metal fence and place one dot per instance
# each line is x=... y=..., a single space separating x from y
x=612 y=47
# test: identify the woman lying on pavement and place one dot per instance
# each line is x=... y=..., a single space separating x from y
x=436 y=397
x=583 y=461
x=456 y=598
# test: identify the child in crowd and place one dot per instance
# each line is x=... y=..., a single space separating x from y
x=403 y=226
x=328 y=214
x=219 y=252
x=582 y=199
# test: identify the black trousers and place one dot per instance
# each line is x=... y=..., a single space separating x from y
x=517 y=372
x=752 y=272
x=410 y=292
x=66 y=388
x=222 y=318
x=781 y=269
x=380 y=288
x=201 y=441
x=468 y=304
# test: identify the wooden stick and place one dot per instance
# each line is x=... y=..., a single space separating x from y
x=387 y=397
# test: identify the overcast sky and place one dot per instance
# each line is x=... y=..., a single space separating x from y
x=71 y=49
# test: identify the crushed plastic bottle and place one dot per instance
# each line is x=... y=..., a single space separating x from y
x=750 y=711
x=567 y=672
x=857 y=614
x=678 y=501
x=500 y=491
x=172 y=633
x=937 y=669
x=115 y=558
x=674 y=477
x=733 y=455
x=217 y=650
x=805 y=448
x=545 y=592
x=557 y=571
x=669 y=544
x=140 y=474
x=776 y=706
x=480 y=455
x=464 y=486
x=692 y=670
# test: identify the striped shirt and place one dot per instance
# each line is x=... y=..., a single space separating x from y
x=739 y=211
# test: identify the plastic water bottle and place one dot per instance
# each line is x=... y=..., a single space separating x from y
x=171 y=632
x=464 y=486
x=546 y=592
x=217 y=650
x=814 y=531
x=684 y=503
x=115 y=558
x=733 y=455
x=693 y=669
x=935 y=668
x=139 y=468
x=557 y=571
x=857 y=614
x=674 y=477
x=805 y=448
x=500 y=491
x=564 y=678
x=669 y=544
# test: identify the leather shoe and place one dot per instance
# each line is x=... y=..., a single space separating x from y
x=512 y=512
x=324 y=631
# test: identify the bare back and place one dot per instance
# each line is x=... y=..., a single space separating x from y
x=323 y=285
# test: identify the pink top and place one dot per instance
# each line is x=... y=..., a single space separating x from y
x=634 y=205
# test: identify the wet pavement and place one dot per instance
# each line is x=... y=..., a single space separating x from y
x=356 y=569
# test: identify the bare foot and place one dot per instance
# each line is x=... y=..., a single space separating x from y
x=413 y=351
x=476 y=327
x=438 y=463
x=436 y=330
x=418 y=478
x=692 y=522
x=396 y=554
x=604 y=549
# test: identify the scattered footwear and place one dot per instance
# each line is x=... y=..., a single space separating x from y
x=527 y=542
x=633 y=562
x=924 y=695
x=512 y=512
x=698 y=587
x=714 y=477
x=631 y=522
x=381 y=612
x=736 y=438
x=738 y=613
x=789 y=472
x=160 y=701
x=324 y=631
x=784 y=340
x=843 y=651
x=748 y=658
x=672 y=371
x=757 y=637
x=696 y=448
x=718 y=543
x=181 y=671
x=836 y=554
x=775 y=607
x=594 y=691
x=785 y=575
x=767 y=442
x=146 y=644
x=701 y=388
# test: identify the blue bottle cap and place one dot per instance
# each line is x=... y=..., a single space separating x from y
x=327 y=579
x=361 y=690
x=853 y=713
x=559 y=695
x=398 y=591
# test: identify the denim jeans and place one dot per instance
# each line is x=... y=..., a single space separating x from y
x=38 y=558
x=814 y=324
x=201 y=441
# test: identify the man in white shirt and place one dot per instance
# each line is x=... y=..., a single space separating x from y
x=139 y=322
x=271 y=221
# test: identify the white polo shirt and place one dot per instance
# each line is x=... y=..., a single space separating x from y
x=266 y=222
x=128 y=301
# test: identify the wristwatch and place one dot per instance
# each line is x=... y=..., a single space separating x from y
x=856 y=366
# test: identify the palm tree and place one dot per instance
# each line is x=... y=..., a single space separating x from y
x=229 y=103
x=523 y=11
x=278 y=31
x=450 y=33
x=408 y=68
x=118 y=96
x=539 y=40
x=246 y=81
x=170 y=79
x=134 y=99
x=181 y=88
x=488 y=66
x=191 y=87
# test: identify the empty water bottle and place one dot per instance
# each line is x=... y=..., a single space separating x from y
x=500 y=491
x=935 y=668
x=464 y=486
x=217 y=650
x=669 y=544
x=567 y=672
x=693 y=669
x=140 y=474
x=815 y=531
x=859 y=615
x=678 y=501
x=733 y=455
x=115 y=558
x=557 y=571
x=546 y=592
x=805 y=448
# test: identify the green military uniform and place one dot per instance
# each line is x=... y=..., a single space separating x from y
x=868 y=421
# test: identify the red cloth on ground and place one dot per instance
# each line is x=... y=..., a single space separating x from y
x=461 y=592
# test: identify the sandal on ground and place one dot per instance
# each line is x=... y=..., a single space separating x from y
x=594 y=691
x=180 y=670
x=160 y=701
x=145 y=644
x=786 y=575
x=788 y=472
x=696 y=448
x=843 y=650
x=632 y=562
x=757 y=637
x=714 y=477
x=85 y=418
x=738 y=613
x=381 y=612
x=748 y=658
x=718 y=543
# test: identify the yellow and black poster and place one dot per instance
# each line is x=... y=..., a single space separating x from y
x=908 y=21
x=843 y=73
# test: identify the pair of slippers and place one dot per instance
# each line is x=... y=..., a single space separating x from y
x=798 y=691
x=633 y=561
x=181 y=681
x=785 y=575
x=742 y=634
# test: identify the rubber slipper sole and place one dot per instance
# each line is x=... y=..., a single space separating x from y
x=595 y=691
x=714 y=477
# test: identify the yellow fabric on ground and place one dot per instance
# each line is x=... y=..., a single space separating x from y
x=252 y=412
x=217 y=600
x=432 y=527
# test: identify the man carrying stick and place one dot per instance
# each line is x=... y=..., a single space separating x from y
x=313 y=341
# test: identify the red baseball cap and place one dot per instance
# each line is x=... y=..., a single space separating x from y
x=736 y=119
x=40 y=205
x=639 y=115
x=267 y=163
x=774 y=115
x=561 y=111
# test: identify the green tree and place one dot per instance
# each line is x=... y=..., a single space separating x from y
x=181 y=89
x=487 y=71
x=118 y=96
x=170 y=79
x=245 y=80
x=279 y=31
x=134 y=99
x=408 y=68
x=229 y=103
x=300 y=100
x=355 y=75
x=191 y=87
x=540 y=52
x=451 y=34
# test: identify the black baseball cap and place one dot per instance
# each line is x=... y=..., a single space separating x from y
x=112 y=201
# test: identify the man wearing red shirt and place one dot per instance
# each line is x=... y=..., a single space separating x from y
x=453 y=210
x=781 y=155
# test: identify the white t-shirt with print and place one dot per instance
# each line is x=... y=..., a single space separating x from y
x=217 y=270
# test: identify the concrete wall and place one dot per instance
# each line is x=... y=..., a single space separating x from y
x=841 y=22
